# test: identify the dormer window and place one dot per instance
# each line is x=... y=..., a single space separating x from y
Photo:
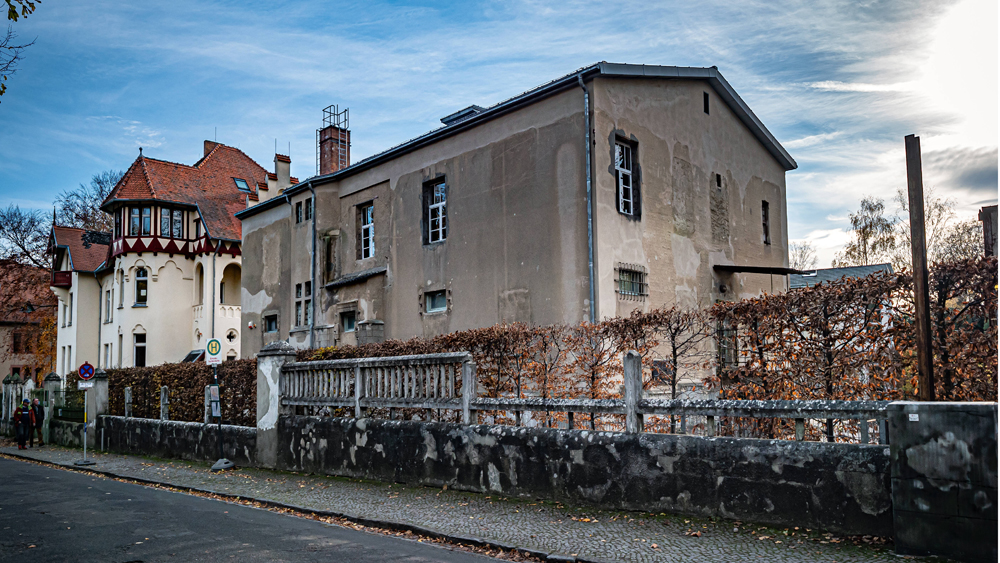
x=242 y=185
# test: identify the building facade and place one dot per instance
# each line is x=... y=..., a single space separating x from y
x=615 y=188
x=168 y=277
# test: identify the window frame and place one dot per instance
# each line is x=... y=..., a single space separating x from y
x=435 y=208
x=631 y=282
x=298 y=212
x=366 y=230
x=630 y=206
x=134 y=222
x=147 y=221
x=429 y=297
x=351 y=314
x=308 y=211
x=141 y=283
x=765 y=221
x=165 y=216
x=136 y=345
x=268 y=319
x=177 y=223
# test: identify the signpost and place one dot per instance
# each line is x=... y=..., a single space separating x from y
x=213 y=357
x=86 y=373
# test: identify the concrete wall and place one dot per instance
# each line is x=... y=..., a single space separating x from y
x=837 y=487
x=192 y=441
x=944 y=479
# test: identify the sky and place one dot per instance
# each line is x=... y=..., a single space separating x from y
x=838 y=83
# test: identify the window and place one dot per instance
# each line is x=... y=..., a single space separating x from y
x=271 y=323
x=121 y=346
x=133 y=229
x=69 y=311
x=632 y=282
x=765 y=220
x=347 y=321
x=177 y=230
x=197 y=228
x=147 y=218
x=627 y=194
x=140 y=350
x=231 y=336
x=435 y=301
x=222 y=292
x=230 y=357
x=435 y=212
x=718 y=180
x=309 y=209
x=303 y=304
x=298 y=212
x=118 y=224
x=63 y=322
x=141 y=283
x=241 y=184
x=366 y=231
x=19 y=344
x=107 y=306
x=727 y=345
x=164 y=222
x=107 y=355
x=704 y=100
x=121 y=289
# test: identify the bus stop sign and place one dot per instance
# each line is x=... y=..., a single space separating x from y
x=213 y=352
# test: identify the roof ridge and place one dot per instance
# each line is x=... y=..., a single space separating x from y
x=145 y=173
x=205 y=158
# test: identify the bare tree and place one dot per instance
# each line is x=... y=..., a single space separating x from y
x=874 y=236
x=938 y=214
x=10 y=51
x=963 y=241
x=82 y=207
x=24 y=235
x=801 y=255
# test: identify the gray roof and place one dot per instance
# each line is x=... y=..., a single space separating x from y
x=615 y=70
x=815 y=277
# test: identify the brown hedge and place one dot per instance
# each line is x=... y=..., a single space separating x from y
x=186 y=383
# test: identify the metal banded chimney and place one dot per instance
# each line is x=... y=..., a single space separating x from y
x=333 y=141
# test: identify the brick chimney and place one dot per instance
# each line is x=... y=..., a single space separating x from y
x=282 y=169
x=209 y=145
x=334 y=149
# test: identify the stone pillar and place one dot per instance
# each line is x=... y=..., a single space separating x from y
x=208 y=404
x=469 y=387
x=633 y=392
x=53 y=386
x=943 y=459
x=164 y=403
x=270 y=360
x=128 y=402
x=97 y=404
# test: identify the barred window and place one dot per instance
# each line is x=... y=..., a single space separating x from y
x=632 y=282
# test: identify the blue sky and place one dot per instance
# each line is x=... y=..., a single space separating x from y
x=838 y=83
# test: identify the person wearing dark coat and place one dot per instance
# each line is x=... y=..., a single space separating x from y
x=24 y=421
x=39 y=412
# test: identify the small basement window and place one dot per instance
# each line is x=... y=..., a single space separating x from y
x=242 y=185
x=271 y=323
x=347 y=321
x=632 y=282
x=435 y=301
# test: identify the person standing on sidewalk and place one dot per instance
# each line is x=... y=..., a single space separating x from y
x=39 y=412
x=24 y=421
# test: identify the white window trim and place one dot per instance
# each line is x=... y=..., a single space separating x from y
x=626 y=205
x=367 y=231
x=440 y=234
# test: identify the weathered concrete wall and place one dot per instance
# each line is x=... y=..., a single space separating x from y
x=178 y=440
x=65 y=433
x=944 y=479
x=837 y=487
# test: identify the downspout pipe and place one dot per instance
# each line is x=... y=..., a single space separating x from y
x=590 y=201
x=312 y=271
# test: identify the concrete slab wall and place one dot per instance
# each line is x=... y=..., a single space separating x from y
x=837 y=487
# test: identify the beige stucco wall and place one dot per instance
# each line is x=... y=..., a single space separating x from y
x=76 y=342
x=517 y=241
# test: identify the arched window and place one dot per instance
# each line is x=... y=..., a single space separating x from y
x=229 y=288
x=199 y=285
x=141 y=285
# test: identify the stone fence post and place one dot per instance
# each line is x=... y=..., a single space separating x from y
x=469 y=387
x=52 y=385
x=208 y=404
x=128 y=402
x=270 y=360
x=633 y=392
x=164 y=403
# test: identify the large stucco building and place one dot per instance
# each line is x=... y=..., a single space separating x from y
x=660 y=177
x=167 y=279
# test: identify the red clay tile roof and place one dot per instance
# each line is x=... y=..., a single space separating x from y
x=86 y=256
x=207 y=184
x=282 y=157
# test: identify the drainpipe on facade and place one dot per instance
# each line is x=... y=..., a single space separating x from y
x=590 y=205
x=312 y=271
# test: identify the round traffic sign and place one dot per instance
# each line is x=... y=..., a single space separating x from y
x=214 y=347
x=86 y=371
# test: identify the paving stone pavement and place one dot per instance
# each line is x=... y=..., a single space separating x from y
x=584 y=533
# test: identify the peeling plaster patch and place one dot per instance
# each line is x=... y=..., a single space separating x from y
x=361 y=439
x=769 y=506
x=494 y=475
x=449 y=450
x=867 y=490
x=430 y=445
x=686 y=257
x=577 y=456
x=667 y=462
x=611 y=448
x=941 y=460
x=254 y=302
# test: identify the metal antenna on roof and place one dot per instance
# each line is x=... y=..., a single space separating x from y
x=275 y=145
x=216 y=135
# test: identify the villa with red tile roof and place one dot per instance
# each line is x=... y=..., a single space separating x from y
x=167 y=279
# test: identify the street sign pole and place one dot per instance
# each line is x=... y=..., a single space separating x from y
x=86 y=373
x=213 y=357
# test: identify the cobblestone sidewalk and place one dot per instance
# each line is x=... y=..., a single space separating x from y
x=587 y=534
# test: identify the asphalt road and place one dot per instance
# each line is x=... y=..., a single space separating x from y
x=49 y=514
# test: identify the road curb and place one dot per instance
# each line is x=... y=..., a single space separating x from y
x=370 y=522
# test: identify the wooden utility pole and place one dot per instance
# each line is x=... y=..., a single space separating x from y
x=918 y=245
